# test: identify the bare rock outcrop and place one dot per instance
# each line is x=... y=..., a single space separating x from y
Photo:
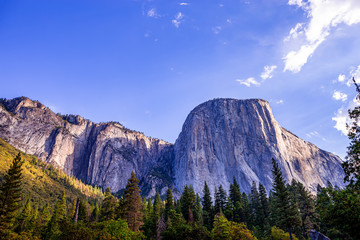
x=220 y=139
x=103 y=154
x=226 y=138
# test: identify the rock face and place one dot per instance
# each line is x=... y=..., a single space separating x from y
x=220 y=139
x=103 y=154
x=226 y=138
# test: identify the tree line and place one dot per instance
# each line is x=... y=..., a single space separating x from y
x=288 y=211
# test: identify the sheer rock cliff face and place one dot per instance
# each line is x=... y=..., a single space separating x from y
x=226 y=138
x=220 y=139
x=103 y=154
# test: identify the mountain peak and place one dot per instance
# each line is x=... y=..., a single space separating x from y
x=14 y=105
x=221 y=139
x=226 y=138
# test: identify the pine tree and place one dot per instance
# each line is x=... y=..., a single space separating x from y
x=73 y=209
x=220 y=200
x=263 y=212
x=306 y=203
x=207 y=207
x=169 y=205
x=229 y=210
x=10 y=196
x=188 y=203
x=254 y=206
x=53 y=228
x=145 y=209
x=95 y=213
x=264 y=202
x=245 y=208
x=198 y=210
x=25 y=217
x=82 y=211
x=235 y=194
x=285 y=213
x=157 y=208
x=133 y=204
x=352 y=164
x=235 y=197
x=150 y=208
x=45 y=215
x=34 y=217
x=107 y=211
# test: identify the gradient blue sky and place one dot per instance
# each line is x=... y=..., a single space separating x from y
x=147 y=64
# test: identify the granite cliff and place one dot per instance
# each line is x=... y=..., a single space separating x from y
x=220 y=139
x=103 y=154
x=226 y=138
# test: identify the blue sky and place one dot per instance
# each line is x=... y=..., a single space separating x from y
x=147 y=64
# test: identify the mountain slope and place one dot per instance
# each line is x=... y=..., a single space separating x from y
x=103 y=154
x=220 y=139
x=45 y=183
x=226 y=138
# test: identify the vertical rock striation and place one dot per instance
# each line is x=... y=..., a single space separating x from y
x=103 y=154
x=226 y=138
x=220 y=139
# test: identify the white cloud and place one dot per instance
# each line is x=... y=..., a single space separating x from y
x=295 y=32
x=183 y=4
x=267 y=73
x=248 y=82
x=323 y=16
x=342 y=117
x=315 y=134
x=312 y=134
x=295 y=60
x=217 y=29
x=178 y=19
x=280 y=101
x=337 y=95
x=354 y=73
x=152 y=13
x=341 y=78
x=296 y=2
x=228 y=20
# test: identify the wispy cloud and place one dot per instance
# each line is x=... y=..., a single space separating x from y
x=152 y=13
x=178 y=19
x=295 y=60
x=354 y=73
x=337 y=95
x=348 y=79
x=295 y=32
x=342 y=117
x=323 y=16
x=315 y=134
x=248 y=82
x=267 y=73
x=280 y=101
x=217 y=29
x=183 y=4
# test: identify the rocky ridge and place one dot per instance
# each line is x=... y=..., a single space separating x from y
x=102 y=154
x=220 y=139
x=226 y=138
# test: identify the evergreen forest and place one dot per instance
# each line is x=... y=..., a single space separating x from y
x=39 y=201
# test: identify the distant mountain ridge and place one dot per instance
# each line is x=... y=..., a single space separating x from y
x=220 y=139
